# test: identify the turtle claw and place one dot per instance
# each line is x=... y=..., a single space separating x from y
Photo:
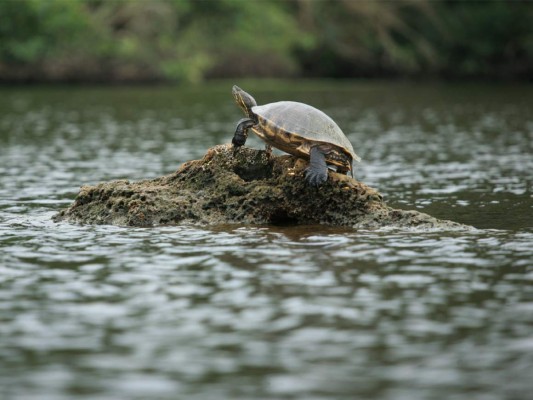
x=235 y=149
x=315 y=178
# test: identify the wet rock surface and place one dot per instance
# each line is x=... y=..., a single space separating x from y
x=241 y=187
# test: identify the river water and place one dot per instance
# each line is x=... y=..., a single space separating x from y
x=268 y=312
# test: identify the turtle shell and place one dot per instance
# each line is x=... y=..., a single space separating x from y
x=284 y=122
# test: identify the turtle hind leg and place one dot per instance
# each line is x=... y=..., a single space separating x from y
x=268 y=151
x=317 y=171
x=241 y=132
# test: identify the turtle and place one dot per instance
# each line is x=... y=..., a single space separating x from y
x=298 y=129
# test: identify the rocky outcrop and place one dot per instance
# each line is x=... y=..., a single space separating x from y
x=242 y=186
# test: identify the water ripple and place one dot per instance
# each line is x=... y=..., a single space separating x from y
x=242 y=312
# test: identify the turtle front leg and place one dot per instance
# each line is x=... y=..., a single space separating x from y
x=241 y=132
x=317 y=171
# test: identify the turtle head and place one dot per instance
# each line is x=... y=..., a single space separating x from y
x=244 y=100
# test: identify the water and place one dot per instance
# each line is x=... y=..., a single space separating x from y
x=268 y=312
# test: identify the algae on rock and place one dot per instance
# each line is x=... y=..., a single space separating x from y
x=241 y=186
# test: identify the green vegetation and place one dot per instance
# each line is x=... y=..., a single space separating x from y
x=191 y=40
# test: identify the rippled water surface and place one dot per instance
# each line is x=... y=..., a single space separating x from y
x=268 y=312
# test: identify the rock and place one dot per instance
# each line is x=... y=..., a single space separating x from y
x=240 y=187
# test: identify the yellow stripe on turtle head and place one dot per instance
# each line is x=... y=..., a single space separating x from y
x=244 y=100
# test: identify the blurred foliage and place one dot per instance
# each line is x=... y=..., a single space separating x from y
x=190 y=40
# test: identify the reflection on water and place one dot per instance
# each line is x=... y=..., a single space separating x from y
x=241 y=312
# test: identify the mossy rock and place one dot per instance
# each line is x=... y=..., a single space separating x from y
x=241 y=186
